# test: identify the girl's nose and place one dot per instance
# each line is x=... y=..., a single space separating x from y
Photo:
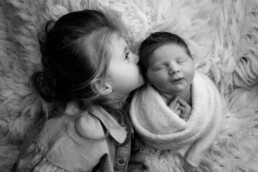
x=135 y=58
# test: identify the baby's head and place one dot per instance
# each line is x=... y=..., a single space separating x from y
x=166 y=63
x=85 y=59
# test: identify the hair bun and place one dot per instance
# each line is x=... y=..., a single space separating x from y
x=44 y=85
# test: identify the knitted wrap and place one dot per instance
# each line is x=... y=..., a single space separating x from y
x=160 y=128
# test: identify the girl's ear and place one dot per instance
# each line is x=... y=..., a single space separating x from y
x=102 y=87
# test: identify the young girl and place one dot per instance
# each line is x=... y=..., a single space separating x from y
x=88 y=72
x=177 y=114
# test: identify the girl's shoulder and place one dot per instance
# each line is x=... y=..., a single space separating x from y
x=33 y=157
x=94 y=123
x=83 y=139
x=64 y=143
x=89 y=126
x=97 y=123
x=79 y=128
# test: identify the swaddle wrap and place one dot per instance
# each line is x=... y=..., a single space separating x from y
x=159 y=127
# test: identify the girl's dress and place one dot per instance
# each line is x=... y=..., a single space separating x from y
x=60 y=147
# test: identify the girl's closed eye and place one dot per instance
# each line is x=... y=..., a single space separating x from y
x=127 y=55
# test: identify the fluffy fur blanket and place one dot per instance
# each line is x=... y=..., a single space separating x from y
x=222 y=35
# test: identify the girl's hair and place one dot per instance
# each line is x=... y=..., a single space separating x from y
x=153 y=42
x=75 y=53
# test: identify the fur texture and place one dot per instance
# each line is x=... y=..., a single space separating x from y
x=222 y=35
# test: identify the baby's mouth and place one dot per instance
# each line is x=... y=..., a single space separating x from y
x=177 y=79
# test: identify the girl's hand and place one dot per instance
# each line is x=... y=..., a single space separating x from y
x=185 y=109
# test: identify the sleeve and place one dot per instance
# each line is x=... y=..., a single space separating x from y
x=61 y=148
x=30 y=153
x=32 y=156
x=28 y=158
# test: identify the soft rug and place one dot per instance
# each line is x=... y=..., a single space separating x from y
x=222 y=35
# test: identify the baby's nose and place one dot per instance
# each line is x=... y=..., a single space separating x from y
x=173 y=69
x=173 y=72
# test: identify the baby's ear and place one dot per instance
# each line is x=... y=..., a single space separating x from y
x=102 y=87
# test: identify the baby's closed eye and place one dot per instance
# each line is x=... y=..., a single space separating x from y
x=158 y=67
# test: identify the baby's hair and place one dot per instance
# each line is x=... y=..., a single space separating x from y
x=154 y=41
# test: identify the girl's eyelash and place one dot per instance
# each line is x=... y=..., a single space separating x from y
x=126 y=55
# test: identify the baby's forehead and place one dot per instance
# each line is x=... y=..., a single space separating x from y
x=165 y=47
x=167 y=51
x=168 y=44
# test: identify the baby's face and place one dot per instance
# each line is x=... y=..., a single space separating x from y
x=170 y=69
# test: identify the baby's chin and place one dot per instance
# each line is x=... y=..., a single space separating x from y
x=167 y=97
x=170 y=94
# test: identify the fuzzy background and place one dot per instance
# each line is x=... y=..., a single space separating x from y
x=222 y=35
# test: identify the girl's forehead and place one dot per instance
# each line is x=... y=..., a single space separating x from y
x=118 y=41
x=118 y=36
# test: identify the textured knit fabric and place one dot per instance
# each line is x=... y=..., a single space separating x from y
x=160 y=128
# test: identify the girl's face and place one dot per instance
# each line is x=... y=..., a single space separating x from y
x=123 y=73
x=170 y=70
